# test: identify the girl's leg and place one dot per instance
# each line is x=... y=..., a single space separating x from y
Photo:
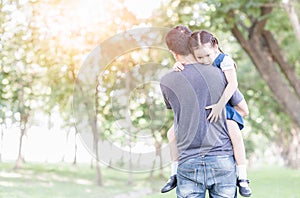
x=240 y=157
x=238 y=148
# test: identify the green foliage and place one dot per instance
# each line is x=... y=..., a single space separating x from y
x=285 y=36
x=129 y=97
x=41 y=54
x=21 y=64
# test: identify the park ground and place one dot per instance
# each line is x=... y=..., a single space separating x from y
x=65 y=180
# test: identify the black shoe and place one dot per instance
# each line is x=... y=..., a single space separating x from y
x=170 y=185
x=244 y=191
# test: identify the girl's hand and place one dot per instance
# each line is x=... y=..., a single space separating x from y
x=215 y=113
x=178 y=66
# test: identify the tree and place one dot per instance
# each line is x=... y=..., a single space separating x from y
x=271 y=48
x=22 y=67
x=259 y=42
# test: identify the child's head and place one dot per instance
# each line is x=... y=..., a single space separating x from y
x=204 y=46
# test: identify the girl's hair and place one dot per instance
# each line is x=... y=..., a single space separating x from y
x=202 y=37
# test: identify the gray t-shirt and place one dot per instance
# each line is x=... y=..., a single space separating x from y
x=236 y=98
x=187 y=93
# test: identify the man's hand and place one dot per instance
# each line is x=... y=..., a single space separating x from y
x=178 y=66
x=215 y=113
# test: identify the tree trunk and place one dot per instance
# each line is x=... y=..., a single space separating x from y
x=293 y=149
x=128 y=120
x=266 y=56
x=152 y=171
x=20 y=159
x=280 y=77
x=289 y=7
x=67 y=140
x=158 y=153
x=161 y=173
x=96 y=149
x=93 y=121
x=1 y=142
x=289 y=147
x=98 y=170
x=75 y=148
x=99 y=175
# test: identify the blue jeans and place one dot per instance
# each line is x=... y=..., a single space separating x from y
x=216 y=174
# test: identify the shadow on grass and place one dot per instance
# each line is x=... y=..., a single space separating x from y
x=65 y=180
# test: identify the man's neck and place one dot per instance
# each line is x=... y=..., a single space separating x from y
x=185 y=60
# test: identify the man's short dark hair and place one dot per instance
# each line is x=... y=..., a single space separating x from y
x=177 y=40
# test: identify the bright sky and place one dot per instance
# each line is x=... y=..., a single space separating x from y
x=91 y=8
x=142 y=8
x=83 y=12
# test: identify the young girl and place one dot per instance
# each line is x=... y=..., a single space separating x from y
x=206 y=51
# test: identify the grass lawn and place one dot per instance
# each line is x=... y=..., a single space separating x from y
x=64 y=181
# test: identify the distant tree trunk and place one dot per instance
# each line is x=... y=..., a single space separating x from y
x=96 y=150
x=94 y=123
x=293 y=156
x=49 y=121
x=20 y=158
x=75 y=147
x=289 y=7
x=49 y=126
x=98 y=169
x=1 y=142
x=23 y=130
x=266 y=55
x=158 y=151
x=128 y=121
x=158 y=154
x=91 y=164
x=76 y=131
x=289 y=147
x=67 y=140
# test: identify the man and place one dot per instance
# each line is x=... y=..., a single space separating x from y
x=205 y=152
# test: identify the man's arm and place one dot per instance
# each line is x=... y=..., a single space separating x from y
x=238 y=101
x=164 y=91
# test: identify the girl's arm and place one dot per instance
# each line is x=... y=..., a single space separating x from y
x=230 y=88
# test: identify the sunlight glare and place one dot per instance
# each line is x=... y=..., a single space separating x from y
x=142 y=8
x=92 y=11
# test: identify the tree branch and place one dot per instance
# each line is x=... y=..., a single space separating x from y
x=239 y=36
x=259 y=25
x=273 y=77
x=237 y=33
x=285 y=67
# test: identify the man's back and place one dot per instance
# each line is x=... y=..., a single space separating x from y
x=188 y=93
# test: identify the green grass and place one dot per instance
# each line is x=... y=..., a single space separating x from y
x=64 y=181
x=269 y=182
x=275 y=182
